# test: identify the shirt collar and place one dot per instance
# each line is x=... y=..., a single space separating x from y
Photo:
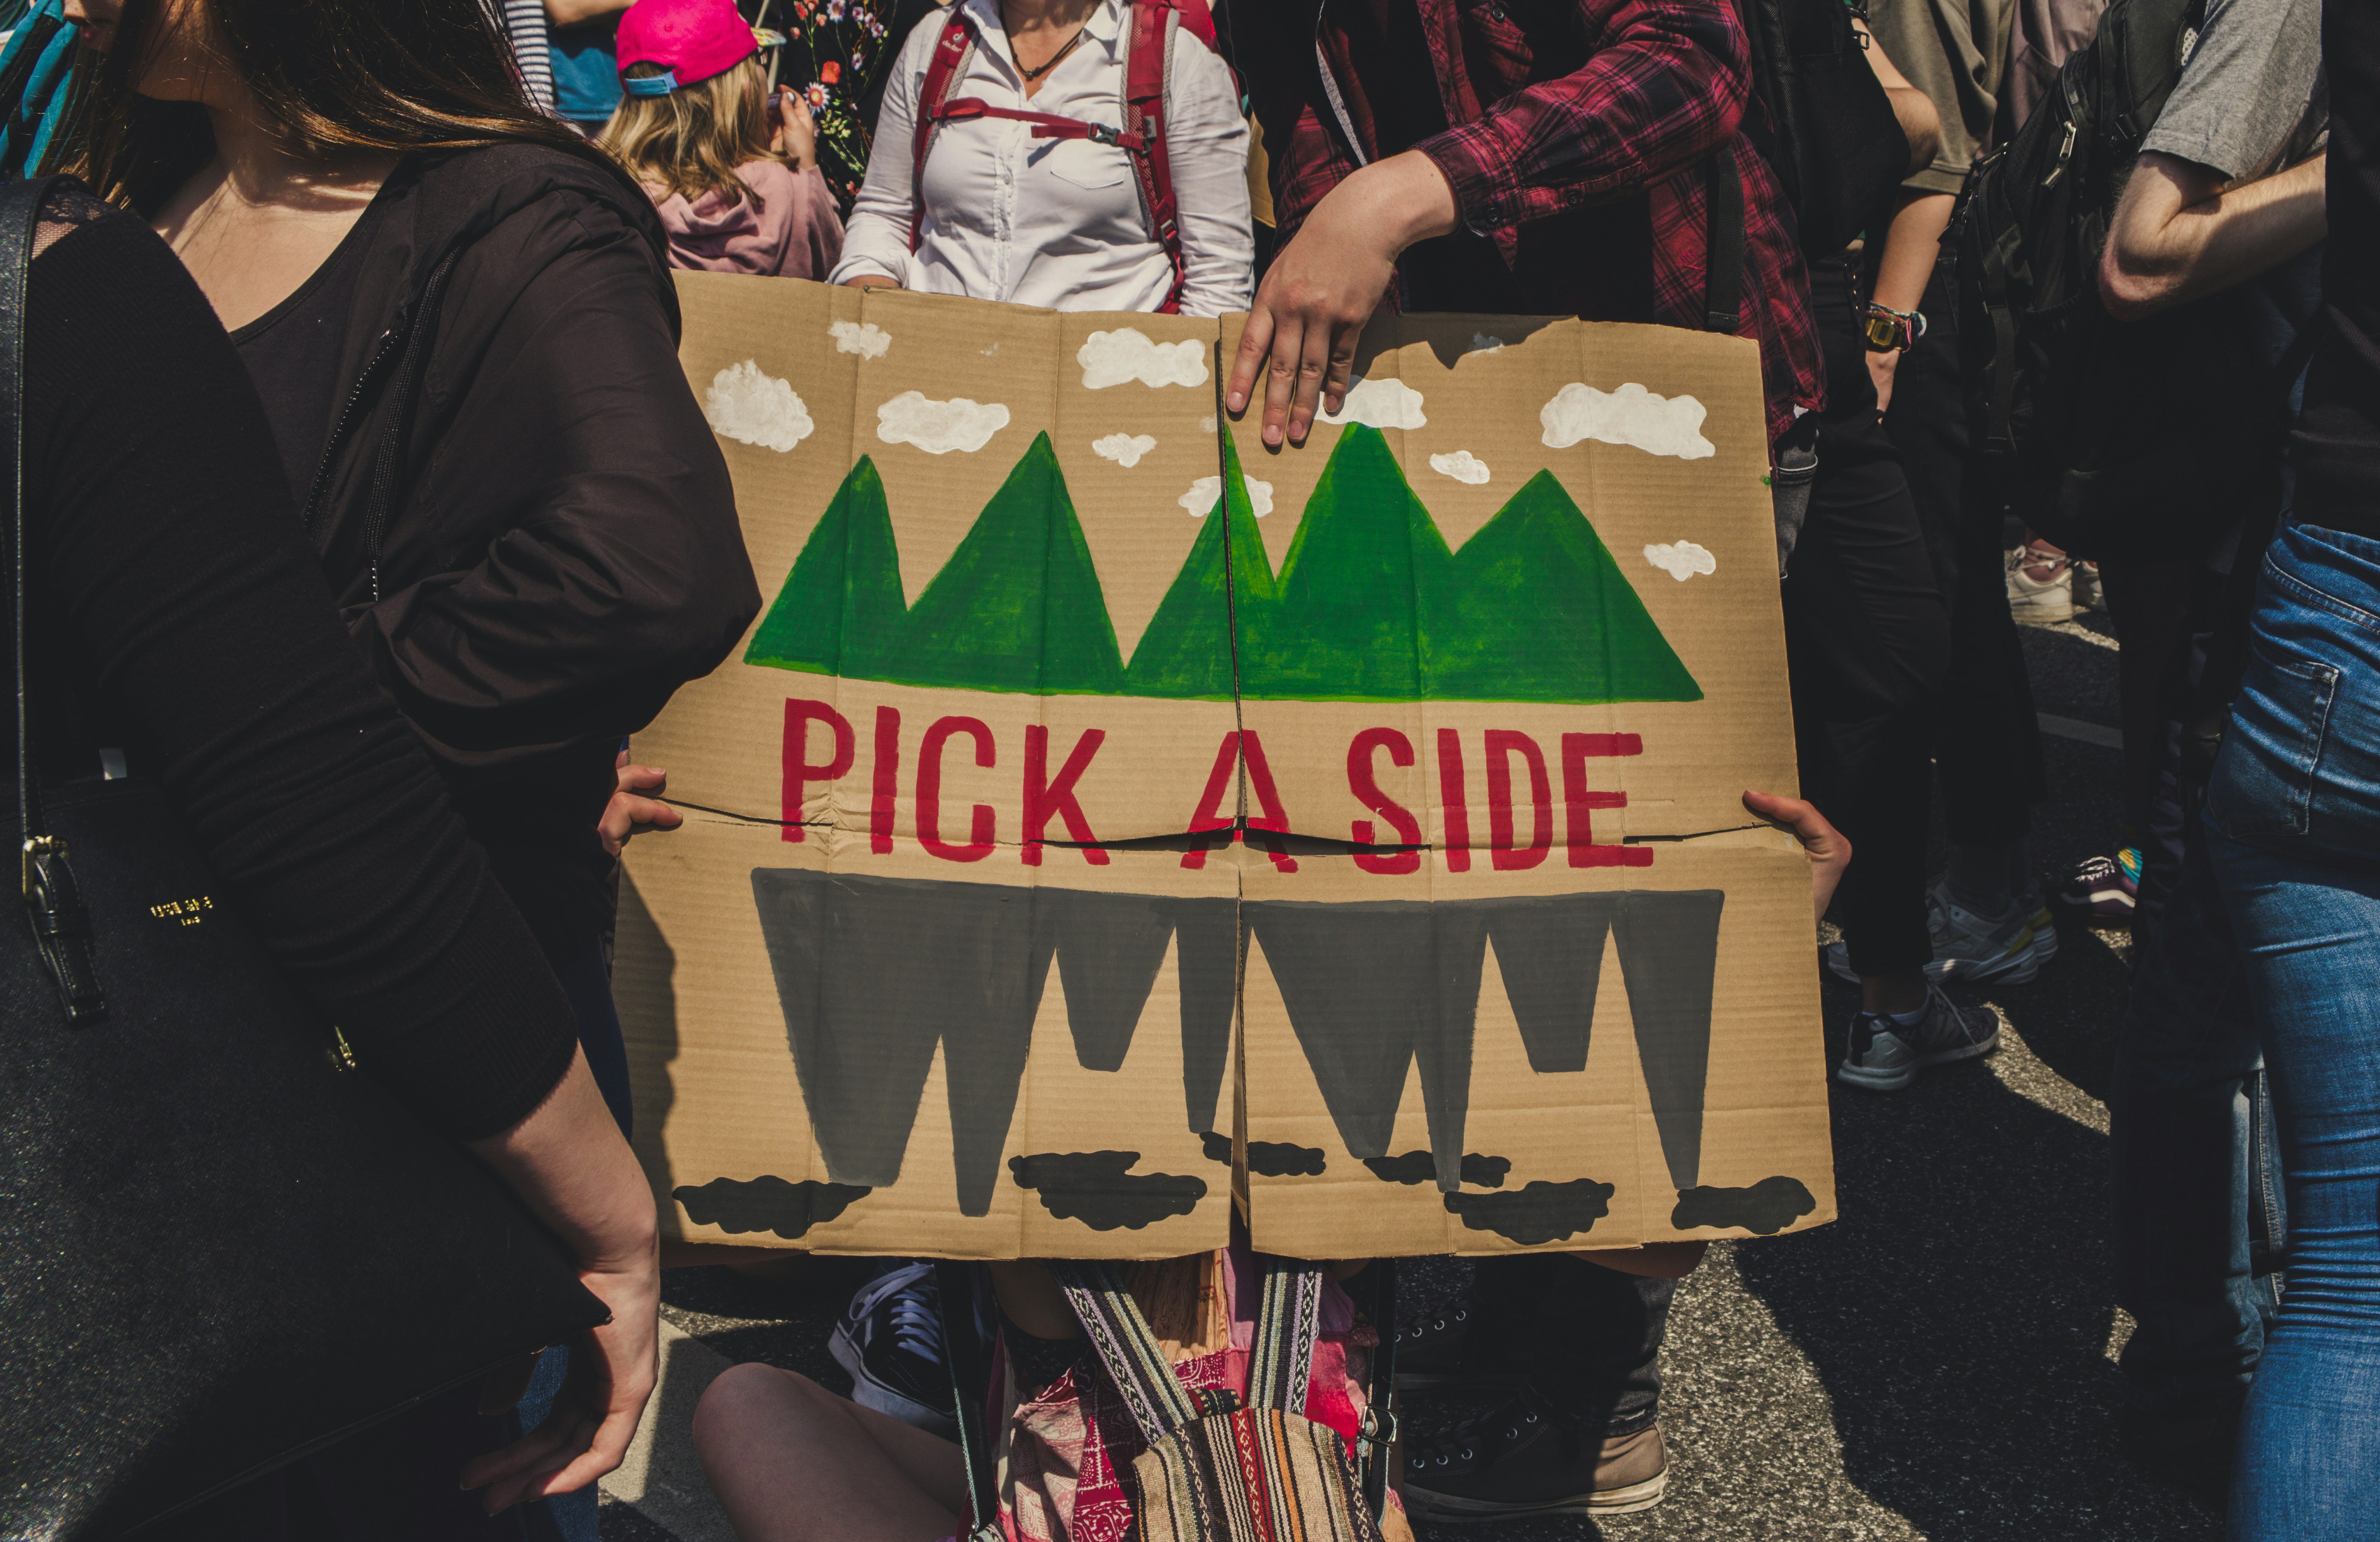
x=1105 y=24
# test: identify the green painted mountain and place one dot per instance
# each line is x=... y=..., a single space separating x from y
x=1371 y=605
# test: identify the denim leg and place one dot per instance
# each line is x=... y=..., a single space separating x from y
x=2196 y=1195
x=2293 y=826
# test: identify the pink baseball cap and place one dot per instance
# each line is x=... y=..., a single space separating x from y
x=692 y=40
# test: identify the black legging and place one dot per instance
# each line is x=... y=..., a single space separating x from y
x=1868 y=637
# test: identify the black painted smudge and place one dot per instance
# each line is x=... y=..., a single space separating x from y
x=1538 y=1212
x=1217 y=1148
x=1769 y=1206
x=1282 y=1158
x=1420 y=1166
x=766 y=1204
x=1098 y=1188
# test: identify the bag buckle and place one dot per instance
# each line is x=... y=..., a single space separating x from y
x=37 y=850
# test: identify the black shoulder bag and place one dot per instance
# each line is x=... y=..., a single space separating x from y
x=220 y=1248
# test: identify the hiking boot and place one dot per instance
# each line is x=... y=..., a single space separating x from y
x=1433 y=1349
x=890 y=1341
x=1529 y=1458
x=2105 y=890
x=2040 y=585
x=1883 y=1056
x=1973 y=949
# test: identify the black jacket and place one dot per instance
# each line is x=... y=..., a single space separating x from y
x=521 y=510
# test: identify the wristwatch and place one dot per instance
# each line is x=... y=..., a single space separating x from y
x=1890 y=331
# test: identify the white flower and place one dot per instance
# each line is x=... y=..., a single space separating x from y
x=1125 y=355
x=1631 y=415
x=753 y=408
x=1384 y=404
x=1681 y=561
x=1462 y=465
x=1124 y=449
x=864 y=338
x=938 y=428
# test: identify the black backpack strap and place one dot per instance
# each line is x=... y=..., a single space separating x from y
x=1723 y=252
x=1378 y=1436
x=970 y=1382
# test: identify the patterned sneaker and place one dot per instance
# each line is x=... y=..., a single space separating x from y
x=2040 y=585
x=2103 y=889
x=1971 y=948
x=1883 y=1056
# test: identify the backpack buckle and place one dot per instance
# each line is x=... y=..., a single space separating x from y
x=1102 y=134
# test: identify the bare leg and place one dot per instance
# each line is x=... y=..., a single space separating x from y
x=792 y=1463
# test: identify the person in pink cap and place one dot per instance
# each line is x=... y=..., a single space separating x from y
x=731 y=165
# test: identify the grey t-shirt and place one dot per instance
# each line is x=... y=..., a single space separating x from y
x=2252 y=97
x=1955 y=52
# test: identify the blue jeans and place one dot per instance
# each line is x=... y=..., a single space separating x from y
x=2293 y=822
x=2196 y=1184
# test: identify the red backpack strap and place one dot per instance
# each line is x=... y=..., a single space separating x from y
x=947 y=64
x=1151 y=29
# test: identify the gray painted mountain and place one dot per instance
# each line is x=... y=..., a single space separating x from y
x=873 y=972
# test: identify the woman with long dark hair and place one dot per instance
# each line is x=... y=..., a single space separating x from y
x=460 y=320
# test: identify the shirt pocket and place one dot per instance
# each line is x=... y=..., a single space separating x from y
x=1089 y=164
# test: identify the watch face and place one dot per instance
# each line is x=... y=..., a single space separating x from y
x=1883 y=331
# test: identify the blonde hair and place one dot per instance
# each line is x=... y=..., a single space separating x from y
x=691 y=140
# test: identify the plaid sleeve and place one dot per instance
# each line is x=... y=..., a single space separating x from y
x=1665 y=85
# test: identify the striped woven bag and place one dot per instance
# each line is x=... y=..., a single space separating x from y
x=1217 y=1470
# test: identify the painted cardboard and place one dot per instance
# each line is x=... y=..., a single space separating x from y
x=1107 y=818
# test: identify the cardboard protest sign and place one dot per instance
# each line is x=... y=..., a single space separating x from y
x=1106 y=814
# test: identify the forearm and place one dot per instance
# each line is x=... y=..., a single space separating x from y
x=1912 y=243
x=2179 y=237
x=570 y=1166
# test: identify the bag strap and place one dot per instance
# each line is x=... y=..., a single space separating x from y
x=970 y=1384
x=1379 y=1434
x=1121 y=1337
x=1287 y=1324
x=947 y=64
x=1148 y=37
x=52 y=900
x=1723 y=251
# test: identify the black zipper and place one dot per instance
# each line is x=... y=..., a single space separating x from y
x=389 y=342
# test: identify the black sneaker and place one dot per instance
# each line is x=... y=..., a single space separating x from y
x=1432 y=1349
x=1527 y=1458
x=891 y=1342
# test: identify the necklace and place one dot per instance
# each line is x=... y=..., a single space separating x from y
x=1046 y=65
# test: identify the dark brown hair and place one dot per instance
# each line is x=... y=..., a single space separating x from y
x=335 y=76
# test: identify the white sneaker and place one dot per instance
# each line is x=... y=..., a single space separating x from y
x=1883 y=1056
x=1972 y=948
x=2040 y=586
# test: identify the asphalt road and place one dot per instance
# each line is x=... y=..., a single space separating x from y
x=1937 y=1363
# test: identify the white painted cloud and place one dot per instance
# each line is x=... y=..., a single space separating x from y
x=1200 y=499
x=1482 y=343
x=991 y=352
x=1631 y=415
x=1206 y=424
x=864 y=338
x=1127 y=354
x=753 y=408
x=1384 y=404
x=1124 y=449
x=1681 y=561
x=1462 y=465
x=938 y=428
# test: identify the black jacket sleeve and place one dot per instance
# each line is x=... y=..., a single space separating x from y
x=620 y=572
x=205 y=633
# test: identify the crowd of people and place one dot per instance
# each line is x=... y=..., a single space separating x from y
x=356 y=316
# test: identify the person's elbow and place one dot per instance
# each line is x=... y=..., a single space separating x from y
x=1921 y=124
x=2131 y=289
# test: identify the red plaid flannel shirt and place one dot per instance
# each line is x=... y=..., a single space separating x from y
x=1558 y=105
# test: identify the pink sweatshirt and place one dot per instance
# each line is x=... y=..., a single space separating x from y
x=798 y=235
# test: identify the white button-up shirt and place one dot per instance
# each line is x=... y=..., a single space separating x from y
x=1056 y=222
